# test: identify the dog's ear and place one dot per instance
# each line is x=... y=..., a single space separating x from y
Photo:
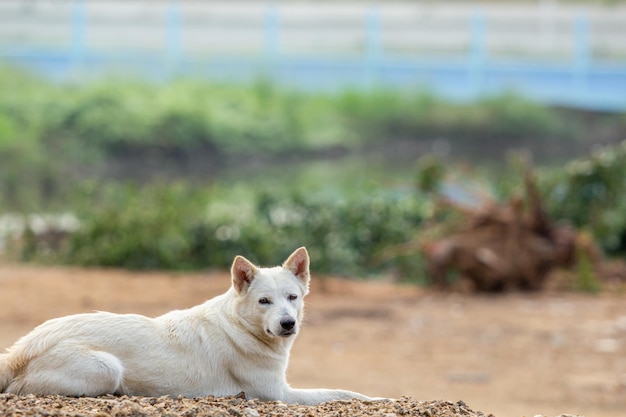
x=242 y=273
x=298 y=263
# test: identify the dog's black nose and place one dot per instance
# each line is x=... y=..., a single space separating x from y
x=287 y=324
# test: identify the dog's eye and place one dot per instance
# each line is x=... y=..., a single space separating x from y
x=264 y=300
x=292 y=297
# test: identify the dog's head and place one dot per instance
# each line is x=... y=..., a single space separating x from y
x=270 y=300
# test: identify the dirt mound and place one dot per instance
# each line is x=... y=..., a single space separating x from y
x=54 y=405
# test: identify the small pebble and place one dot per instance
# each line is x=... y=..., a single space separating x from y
x=250 y=412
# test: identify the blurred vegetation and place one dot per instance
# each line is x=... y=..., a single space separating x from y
x=51 y=135
x=176 y=226
x=57 y=142
x=590 y=193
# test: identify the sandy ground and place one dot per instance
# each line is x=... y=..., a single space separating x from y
x=511 y=355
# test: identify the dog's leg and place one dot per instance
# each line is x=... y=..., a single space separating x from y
x=71 y=371
x=6 y=374
x=320 y=395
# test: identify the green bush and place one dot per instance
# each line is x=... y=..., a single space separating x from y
x=385 y=114
x=54 y=138
x=173 y=227
x=137 y=228
x=83 y=125
x=348 y=231
x=591 y=193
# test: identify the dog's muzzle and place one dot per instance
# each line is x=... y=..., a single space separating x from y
x=287 y=328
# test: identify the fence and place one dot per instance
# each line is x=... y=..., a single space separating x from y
x=555 y=54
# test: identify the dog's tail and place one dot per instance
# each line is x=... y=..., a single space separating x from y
x=6 y=373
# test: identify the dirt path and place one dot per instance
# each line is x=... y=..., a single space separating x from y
x=516 y=355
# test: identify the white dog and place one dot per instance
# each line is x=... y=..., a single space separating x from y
x=238 y=341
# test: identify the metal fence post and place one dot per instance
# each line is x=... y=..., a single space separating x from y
x=272 y=39
x=477 y=52
x=373 y=44
x=79 y=32
x=173 y=35
x=581 y=53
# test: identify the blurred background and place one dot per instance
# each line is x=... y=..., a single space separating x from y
x=467 y=145
x=340 y=125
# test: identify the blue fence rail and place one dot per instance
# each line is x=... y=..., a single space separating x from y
x=580 y=81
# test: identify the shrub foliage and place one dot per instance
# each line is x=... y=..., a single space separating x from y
x=178 y=227
x=55 y=139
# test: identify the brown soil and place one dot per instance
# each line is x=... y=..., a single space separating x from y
x=510 y=355
x=220 y=407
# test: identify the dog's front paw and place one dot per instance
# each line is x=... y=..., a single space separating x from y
x=383 y=399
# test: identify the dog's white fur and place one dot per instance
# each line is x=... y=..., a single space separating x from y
x=238 y=341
